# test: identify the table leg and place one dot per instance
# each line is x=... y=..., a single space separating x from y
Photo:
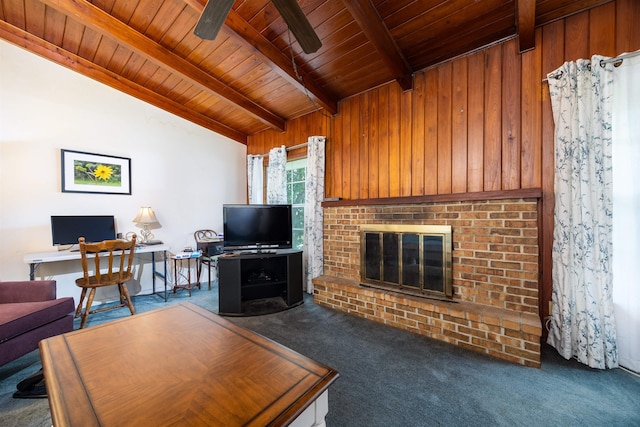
x=154 y=273
x=164 y=261
x=189 y=276
x=175 y=275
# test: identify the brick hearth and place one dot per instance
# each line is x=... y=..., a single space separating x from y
x=495 y=275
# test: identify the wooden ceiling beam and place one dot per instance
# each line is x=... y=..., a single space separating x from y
x=281 y=63
x=78 y=64
x=366 y=15
x=526 y=22
x=95 y=18
x=272 y=56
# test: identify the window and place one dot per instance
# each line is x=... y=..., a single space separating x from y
x=296 y=173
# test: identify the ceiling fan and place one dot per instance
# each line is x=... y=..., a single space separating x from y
x=216 y=11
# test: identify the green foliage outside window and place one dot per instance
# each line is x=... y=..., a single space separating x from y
x=296 y=173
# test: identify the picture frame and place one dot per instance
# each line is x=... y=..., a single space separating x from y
x=84 y=172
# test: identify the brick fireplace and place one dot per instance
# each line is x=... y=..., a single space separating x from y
x=494 y=307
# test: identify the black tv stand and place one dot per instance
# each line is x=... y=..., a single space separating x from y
x=256 y=251
x=255 y=275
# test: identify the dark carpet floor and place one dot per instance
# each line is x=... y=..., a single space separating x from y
x=390 y=377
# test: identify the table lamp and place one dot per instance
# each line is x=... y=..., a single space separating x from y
x=146 y=217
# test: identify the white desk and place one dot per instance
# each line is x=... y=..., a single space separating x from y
x=36 y=259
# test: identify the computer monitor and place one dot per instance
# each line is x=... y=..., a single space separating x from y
x=66 y=229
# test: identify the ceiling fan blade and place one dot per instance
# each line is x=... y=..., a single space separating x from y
x=298 y=24
x=212 y=18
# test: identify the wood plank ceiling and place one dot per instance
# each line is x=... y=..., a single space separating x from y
x=254 y=76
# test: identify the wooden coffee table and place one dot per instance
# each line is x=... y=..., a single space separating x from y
x=180 y=365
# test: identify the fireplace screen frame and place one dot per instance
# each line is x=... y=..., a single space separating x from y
x=423 y=232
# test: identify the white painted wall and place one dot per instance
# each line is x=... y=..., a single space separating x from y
x=183 y=171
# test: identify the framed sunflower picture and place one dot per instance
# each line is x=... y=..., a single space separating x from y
x=95 y=173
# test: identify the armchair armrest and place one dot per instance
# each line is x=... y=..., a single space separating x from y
x=27 y=291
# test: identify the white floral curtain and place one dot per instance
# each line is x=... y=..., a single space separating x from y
x=582 y=323
x=626 y=205
x=255 y=179
x=277 y=176
x=313 y=217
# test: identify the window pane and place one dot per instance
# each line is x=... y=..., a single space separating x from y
x=296 y=171
x=297 y=193
x=298 y=239
x=298 y=174
x=298 y=217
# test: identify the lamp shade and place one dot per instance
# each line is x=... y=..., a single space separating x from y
x=145 y=216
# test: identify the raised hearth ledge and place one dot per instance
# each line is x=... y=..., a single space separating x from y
x=505 y=334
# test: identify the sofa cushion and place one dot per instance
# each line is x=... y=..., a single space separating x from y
x=27 y=291
x=19 y=318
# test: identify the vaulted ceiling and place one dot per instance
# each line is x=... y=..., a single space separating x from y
x=254 y=76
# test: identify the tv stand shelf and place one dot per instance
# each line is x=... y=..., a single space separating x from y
x=259 y=275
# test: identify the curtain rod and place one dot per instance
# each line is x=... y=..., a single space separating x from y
x=621 y=57
x=295 y=147
x=617 y=59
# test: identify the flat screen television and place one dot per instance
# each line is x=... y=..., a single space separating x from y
x=65 y=230
x=256 y=226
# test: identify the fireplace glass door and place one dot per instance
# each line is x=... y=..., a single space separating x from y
x=411 y=259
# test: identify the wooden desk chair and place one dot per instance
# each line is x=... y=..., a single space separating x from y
x=107 y=250
x=205 y=240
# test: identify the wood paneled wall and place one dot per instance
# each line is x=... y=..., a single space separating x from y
x=481 y=122
x=296 y=132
